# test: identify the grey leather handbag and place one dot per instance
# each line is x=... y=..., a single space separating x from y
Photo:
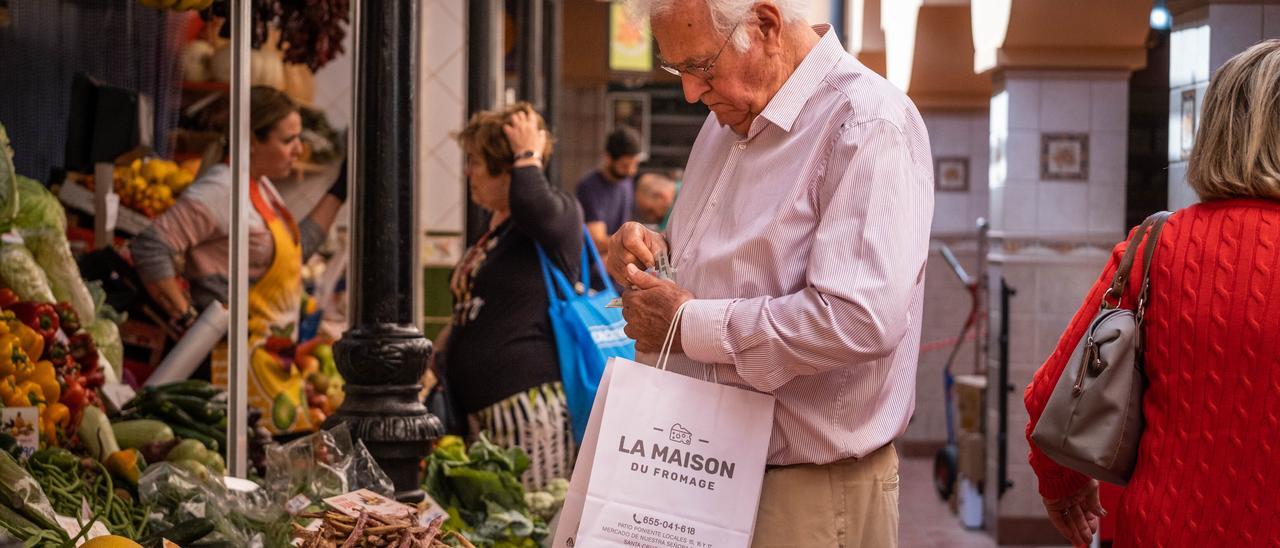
x=1093 y=420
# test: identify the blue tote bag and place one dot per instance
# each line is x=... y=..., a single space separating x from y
x=587 y=333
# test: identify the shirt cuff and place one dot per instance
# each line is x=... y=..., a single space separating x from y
x=703 y=330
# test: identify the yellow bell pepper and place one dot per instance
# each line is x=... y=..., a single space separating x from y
x=27 y=394
x=32 y=343
x=47 y=377
x=8 y=343
x=58 y=414
x=8 y=385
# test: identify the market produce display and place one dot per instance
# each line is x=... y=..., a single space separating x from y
x=150 y=185
x=189 y=408
x=480 y=489
x=372 y=529
x=311 y=30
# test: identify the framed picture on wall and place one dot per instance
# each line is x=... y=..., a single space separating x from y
x=1188 y=121
x=951 y=174
x=1064 y=156
x=630 y=110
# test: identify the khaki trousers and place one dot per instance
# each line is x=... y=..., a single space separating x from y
x=850 y=503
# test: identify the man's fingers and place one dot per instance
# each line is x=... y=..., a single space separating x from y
x=641 y=279
x=639 y=249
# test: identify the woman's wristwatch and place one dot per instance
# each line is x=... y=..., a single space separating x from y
x=524 y=155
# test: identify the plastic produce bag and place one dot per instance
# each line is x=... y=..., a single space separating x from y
x=177 y=495
x=324 y=464
x=20 y=492
x=19 y=271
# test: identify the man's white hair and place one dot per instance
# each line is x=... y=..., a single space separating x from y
x=725 y=14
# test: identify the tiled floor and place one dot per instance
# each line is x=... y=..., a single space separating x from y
x=925 y=521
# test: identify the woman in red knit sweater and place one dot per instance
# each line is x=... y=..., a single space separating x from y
x=1208 y=470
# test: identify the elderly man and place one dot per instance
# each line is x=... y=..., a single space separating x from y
x=799 y=244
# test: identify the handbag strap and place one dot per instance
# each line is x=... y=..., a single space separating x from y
x=1148 y=253
x=551 y=272
x=1121 y=277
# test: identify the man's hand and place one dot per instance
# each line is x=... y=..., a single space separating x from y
x=650 y=308
x=1076 y=516
x=632 y=244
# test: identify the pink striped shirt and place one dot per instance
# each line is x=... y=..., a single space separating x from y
x=805 y=243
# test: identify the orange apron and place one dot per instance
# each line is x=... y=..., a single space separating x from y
x=275 y=386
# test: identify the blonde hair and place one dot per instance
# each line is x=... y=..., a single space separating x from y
x=483 y=136
x=1237 y=147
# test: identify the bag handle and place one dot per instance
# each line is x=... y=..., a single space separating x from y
x=671 y=338
x=550 y=270
x=1148 y=253
x=1121 y=277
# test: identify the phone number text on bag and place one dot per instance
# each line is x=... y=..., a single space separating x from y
x=665 y=524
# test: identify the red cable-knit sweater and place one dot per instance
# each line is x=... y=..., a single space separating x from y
x=1208 y=471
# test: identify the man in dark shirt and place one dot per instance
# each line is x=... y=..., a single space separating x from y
x=607 y=193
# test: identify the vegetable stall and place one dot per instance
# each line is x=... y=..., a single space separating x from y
x=91 y=454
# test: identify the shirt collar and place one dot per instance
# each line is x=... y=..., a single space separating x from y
x=784 y=107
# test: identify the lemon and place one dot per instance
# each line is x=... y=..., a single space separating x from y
x=110 y=541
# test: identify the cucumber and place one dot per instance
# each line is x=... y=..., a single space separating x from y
x=187 y=433
x=135 y=434
x=182 y=534
x=197 y=388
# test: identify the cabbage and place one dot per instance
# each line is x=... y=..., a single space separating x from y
x=38 y=208
x=53 y=254
x=43 y=225
x=106 y=336
x=8 y=183
x=19 y=271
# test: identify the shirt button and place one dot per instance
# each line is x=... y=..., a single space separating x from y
x=742 y=146
x=713 y=203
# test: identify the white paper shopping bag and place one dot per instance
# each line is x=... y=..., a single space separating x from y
x=667 y=461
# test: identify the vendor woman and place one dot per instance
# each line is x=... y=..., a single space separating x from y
x=196 y=229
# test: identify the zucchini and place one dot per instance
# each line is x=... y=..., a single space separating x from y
x=96 y=434
x=187 y=433
x=135 y=434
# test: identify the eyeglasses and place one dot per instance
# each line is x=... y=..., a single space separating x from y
x=703 y=70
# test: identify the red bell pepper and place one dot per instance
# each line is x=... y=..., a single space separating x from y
x=8 y=298
x=67 y=318
x=84 y=352
x=41 y=317
x=74 y=395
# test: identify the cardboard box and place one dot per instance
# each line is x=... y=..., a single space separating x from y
x=972 y=457
x=970 y=395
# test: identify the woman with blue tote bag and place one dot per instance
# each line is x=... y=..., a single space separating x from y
x=498 y=359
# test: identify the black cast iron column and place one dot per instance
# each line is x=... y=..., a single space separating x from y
x=552 y=53
x=483 y=81
x=529 y=13
x=384 y=355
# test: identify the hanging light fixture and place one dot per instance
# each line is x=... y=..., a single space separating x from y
x=1160 y=17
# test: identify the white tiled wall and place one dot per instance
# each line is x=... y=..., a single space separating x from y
x=1038 y=102
x=951 y=134
x=960 y=134
x=1050 y=284
x=1202 y=41
x=443 y=100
